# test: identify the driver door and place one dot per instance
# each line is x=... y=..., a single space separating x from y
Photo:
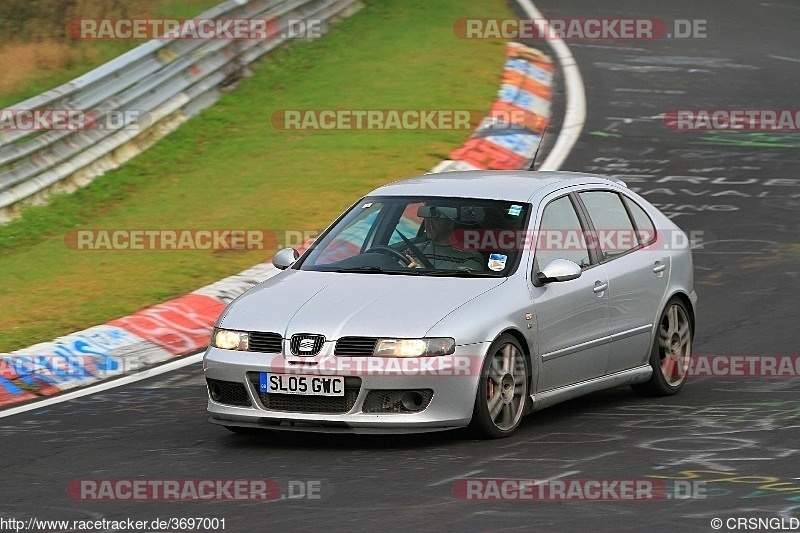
x=572 y=317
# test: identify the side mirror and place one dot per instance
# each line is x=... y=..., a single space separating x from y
x=285 y=258
x=559 y=270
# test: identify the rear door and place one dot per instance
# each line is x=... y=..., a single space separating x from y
x=637 y=273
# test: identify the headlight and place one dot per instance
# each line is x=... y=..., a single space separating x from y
x=228 y=339
x=414 y=347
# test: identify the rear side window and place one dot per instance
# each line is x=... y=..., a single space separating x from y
x=615 y=233
x=645 y=230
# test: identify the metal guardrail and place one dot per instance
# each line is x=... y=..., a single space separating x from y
x=164 y=82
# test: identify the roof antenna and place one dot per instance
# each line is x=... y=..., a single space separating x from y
x=544 y=131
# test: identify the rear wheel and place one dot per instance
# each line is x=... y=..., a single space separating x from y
x=502 y=395
x=671 y=352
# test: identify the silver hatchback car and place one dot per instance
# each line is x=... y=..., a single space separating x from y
x=459 y=299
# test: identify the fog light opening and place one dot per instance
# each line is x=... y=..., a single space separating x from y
x=215 y=391
x=412 y=401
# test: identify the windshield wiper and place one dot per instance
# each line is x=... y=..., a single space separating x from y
x=461 y=273
x=364 y=269
x=376 y=270
x=454 y=272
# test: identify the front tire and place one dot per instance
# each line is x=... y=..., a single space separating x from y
x=671 y=352
x=502 y=396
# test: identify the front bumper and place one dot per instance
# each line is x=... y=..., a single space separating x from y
x=452 y=379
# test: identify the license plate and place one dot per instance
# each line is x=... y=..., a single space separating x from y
x=301 y=384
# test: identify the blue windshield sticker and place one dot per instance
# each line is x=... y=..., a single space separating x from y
x=515 y=210
x=497 y=262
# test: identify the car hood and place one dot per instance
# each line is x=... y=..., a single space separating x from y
x=337 y=305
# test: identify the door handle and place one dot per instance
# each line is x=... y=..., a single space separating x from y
x=599 y=287
x=660 y=267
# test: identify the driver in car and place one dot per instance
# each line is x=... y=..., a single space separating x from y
x=437 y=243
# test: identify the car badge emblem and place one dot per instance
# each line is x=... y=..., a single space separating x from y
x=306 y=345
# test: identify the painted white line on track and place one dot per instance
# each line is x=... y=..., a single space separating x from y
x=785 y=58
x=100 y=387
x=575 y=115
x=455 y=478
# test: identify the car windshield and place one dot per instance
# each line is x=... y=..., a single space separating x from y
x=426 y=236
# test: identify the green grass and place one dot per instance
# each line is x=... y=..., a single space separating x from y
x=230 y=168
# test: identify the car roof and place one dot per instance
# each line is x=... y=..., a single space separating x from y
x=517 y=185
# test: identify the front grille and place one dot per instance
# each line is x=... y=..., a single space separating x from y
x=298 y=403
x=391 y=401
x=306 y=344
x=228 y=392
x=357 y=346
x=260 y=341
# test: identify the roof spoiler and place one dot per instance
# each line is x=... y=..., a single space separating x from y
x=615 y=180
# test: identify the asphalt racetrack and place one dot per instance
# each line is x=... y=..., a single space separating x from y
x=731 y=443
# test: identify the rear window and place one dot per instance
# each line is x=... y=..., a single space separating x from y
x=645 y=230
x=615 y=231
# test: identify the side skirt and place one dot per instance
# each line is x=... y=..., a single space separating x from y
x=544 y=399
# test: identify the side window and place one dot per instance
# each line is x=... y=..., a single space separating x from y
x=615 y=234
x=645 y=230
x=408 y=224
x=351 y=238
x=560 y=235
